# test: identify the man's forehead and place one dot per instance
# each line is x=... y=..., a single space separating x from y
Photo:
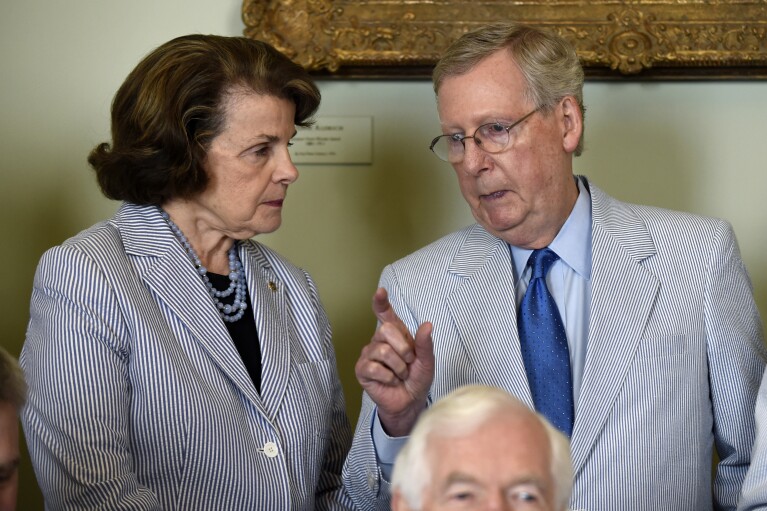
x=463 y=476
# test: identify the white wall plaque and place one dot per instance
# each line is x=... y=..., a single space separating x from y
x=335 y=140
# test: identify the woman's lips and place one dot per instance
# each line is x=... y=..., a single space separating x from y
x=275 y=203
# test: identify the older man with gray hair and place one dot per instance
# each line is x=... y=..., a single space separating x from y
x=13 y=392
x=481 y=448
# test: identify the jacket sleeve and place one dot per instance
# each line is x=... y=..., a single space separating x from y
x=362 y=473
x=736 y=357
x=75 y=359
x=753 y=496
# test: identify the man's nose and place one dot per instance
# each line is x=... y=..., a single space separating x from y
x=473 y=155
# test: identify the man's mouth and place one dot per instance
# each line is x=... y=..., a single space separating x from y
x=494 y=195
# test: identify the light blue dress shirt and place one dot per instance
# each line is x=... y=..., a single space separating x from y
x=569 y=282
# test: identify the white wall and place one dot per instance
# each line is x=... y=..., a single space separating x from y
x=697 y=146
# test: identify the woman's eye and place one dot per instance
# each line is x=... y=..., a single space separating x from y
x=7 y=472
x=260 y=151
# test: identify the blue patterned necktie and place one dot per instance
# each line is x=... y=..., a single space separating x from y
x=543 y=342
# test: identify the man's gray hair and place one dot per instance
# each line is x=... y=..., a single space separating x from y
x=458 y=414
x=548 y=62
x=13 y=388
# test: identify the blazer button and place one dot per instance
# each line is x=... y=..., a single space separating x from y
x=270 y=449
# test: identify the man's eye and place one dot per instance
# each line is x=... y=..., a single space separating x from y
x=494 y=130
x=462 y=496
x=526 y=495
x=456 y=137
x=497 y=128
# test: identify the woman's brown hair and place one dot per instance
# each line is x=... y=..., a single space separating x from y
x=170 y=108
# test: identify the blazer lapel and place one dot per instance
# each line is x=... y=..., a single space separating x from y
x=172 y=278
x=268 y=294
x=484 y=311
x=622 y=295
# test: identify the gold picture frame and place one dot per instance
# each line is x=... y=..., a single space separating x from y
x=640 y=39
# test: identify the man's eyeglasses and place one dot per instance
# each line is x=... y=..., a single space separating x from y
x=492 y=138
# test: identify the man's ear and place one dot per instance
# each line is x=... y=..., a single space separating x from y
x=398 y=502
x=572 y=123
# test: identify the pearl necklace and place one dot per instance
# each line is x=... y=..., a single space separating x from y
x=229 y=313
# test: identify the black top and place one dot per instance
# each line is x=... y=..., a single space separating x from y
x=242 y=331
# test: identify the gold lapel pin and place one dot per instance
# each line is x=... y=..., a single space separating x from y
x=272 y=286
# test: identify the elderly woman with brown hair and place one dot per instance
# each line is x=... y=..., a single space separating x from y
x=173 y=362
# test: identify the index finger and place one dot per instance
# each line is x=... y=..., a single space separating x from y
x=383 y=309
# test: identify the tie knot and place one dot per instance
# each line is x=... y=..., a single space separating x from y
x=540 y=261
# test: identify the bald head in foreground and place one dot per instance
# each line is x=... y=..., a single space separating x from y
x=481 y=448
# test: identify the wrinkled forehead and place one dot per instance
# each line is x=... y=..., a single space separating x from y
x=501 y=454
x=484 y=94
x=498 y=70
x=518 y=429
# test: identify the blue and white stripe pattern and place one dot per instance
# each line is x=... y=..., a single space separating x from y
x=754 y=493
x=674 y=358
x=139 y=398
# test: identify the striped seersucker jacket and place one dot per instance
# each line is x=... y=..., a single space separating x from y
x=139 y=399
x=673 y=364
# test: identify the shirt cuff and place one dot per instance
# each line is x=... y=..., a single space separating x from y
x=386 y=447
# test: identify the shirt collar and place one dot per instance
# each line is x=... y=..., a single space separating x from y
x=573 y=242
